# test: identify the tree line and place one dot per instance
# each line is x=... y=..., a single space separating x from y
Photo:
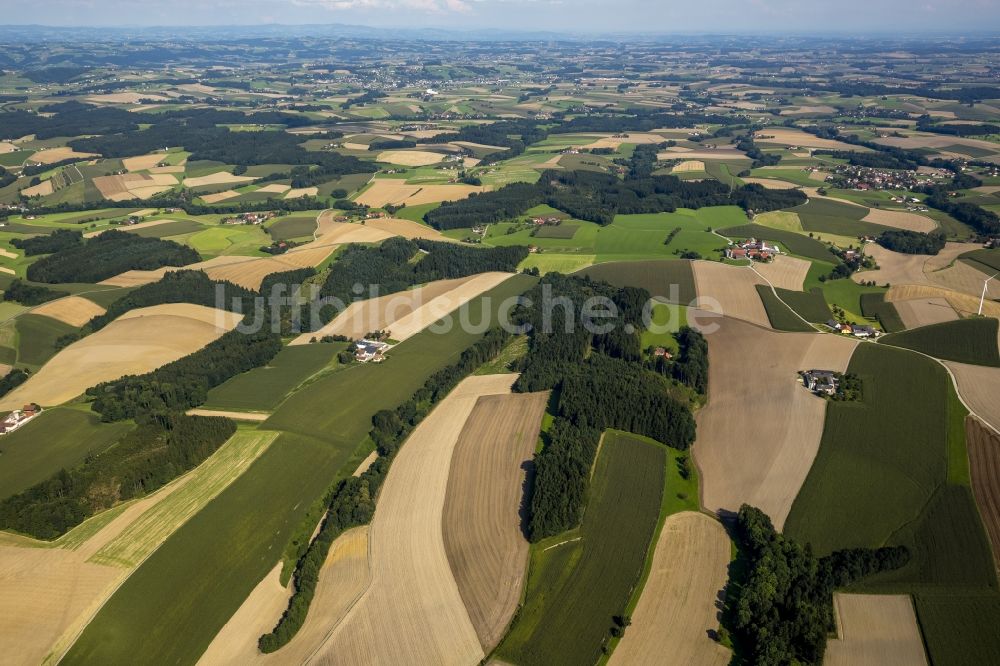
x=601 y=382
x=390 y=266
x=30 y=294
x=779 y=602
x=599 y=197
x=353 y=501
x=147 y=458
x=110 y=253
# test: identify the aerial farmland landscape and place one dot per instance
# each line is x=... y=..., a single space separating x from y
x=499 y=332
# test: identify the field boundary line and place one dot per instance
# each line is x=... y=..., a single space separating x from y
x=775 y=292
x=128 y=572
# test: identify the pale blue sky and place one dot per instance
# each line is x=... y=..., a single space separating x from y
x=660 y=16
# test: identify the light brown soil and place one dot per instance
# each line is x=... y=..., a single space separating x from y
x=962 y=303
x=753 y=380
x=274 y=188
x=236 y=416
x=925 y=311
x=875 y=629
x=137 y=342
x=678 y=606
x=729 y=290
x=979 y=387
x=43 y=189
x=984 y=463
x=302 y=192
x=344 y=577
x=413 y=613
x=785 y=272
x=413 y=158
x=688 y=166
x=901 y=220
x=73 y=310
x=143 y=162
x=941 y=270
x=792 y=137
x=482 y=524
x=771 y=183
x=407 y=229
x=219 y=196
x=376 y=314
x=411 y=324
x=53 y=155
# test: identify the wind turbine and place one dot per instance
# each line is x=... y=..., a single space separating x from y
x=983 y=297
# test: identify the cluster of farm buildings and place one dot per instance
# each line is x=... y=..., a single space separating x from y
x=18 y=418
x=858 y=331
x=751 y=248
x=821 y=382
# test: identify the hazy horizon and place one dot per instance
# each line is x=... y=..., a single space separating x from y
x=561 y=16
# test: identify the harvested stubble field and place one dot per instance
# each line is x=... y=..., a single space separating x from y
x=143 y=162
x=964 y=304
x=729 y=290
x=407 y=229
x=344 y=577
x=941 y=270
x=131 y=227
x=220 y=178
x=53 y=155
x=227 y=548
x=875 y=629
x=137 y=342
x=219 y=196
x=73 y=310
x=771 y=183
x=678 y=608
x=688 y=166
x=984 y=464
x=483 y=532
x=795 y=137
x=579 y=580
x=141 y=537
x=395 y=191
x=765 y=468
x=380 y=313
x=925 y=312
x=899 y=219
x=409 y=325
x=413 y=158
x=784 y=272
x=979 y=387
x=413 y=612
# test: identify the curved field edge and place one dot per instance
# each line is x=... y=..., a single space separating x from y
x=973 y=340
x=892 y=470
x=201 y=575
x=579 y=580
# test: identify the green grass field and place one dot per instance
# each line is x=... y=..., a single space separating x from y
x=57 y=438
x=987 y=261
x=874 y=306
x=781 y=316
x=36 y=337
x=174 y=228
x=847 y=293
x=263 y=389
x=227 y=548
x=810 y=305
x=672 y=281
x=193 y=583
x=881 y=460
x=292 y=227
x=237 y=239
x=886 y=474
x=972 y=340
x=665 y=320
x=580 y=580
